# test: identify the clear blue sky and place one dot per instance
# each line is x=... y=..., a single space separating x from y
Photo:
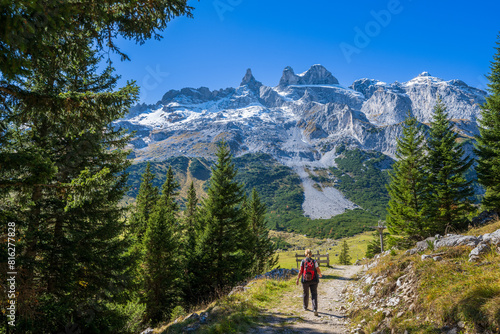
x=388 y=40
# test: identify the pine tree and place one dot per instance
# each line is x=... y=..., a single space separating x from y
x=487 y=147
x=67 y=200
x=262 y=247
x=224 y=229
x=62 y=162
x=145 y=203
x=191 y=220
x=447 y=163
x=408 y=185
x=163 y=274
x=169 y=191
x=344 y=257
x=164 y=265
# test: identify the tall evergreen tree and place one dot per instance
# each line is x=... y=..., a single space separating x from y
x=67 y=212
x=262 y=247
x=447 y=164
x=344 y=257
x=62 y=162
x=163 y=274
x=164 y=269
x=408 y=185
x=191 y=220
x=169 y=191
x=487 y=147
x=224 y=230
x=145 y=203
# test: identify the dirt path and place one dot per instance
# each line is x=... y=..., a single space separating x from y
x=289 y=317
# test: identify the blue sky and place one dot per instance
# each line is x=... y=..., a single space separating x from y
x=388 y=40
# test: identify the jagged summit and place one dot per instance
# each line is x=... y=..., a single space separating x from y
x=315 y=75
x=250 y=81
x=425 y=74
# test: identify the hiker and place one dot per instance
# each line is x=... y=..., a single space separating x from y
x=309 y=274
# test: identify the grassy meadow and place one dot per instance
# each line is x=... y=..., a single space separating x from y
x=357 y=247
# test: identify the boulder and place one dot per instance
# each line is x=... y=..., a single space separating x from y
x=453 y=240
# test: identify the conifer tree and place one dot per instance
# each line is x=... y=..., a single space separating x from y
x=191 y=220
x=145 y=203
x=408 y=185
x=66 y=201
x=447 y=163
x=164 y=265
x=163 y=273
x=62 y=162
x=262 y=247
x=224 y=230
x=169 y=191
x=487 y=147
x=344 y=257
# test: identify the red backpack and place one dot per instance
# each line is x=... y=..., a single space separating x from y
x=309 y=273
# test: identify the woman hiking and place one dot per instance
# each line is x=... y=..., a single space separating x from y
x=309 y=274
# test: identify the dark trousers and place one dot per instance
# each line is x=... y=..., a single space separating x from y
x=314 y=294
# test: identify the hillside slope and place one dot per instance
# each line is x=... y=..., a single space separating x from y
x=449 y=285
x=283 y=191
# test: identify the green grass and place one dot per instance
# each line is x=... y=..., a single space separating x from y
x=357 y=247
x=239 y=312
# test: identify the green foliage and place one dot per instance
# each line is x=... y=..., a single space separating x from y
x=261 y=246
x=487 y=149
x=344 y=257
x=280 y=243
x=408 y=187
x=362 y=179
x=449 y=201
x=163 y=272
x=178 y=312
x=223 y=236
x=373 y=247
x=279 y=189
x=145 y=203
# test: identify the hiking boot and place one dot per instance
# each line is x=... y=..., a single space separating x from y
x=305 y=308
x=315 y=313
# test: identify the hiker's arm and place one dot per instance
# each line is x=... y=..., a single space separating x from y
x=300 y=273
x=319 y=272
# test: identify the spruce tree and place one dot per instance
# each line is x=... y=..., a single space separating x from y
x=67 y=200
x=164 y=265
x=62 y=161
x=408 y=185
x=169 y=191
x=145 y=203
x=191 y=220
x=262 y=247
x=163 y=274
x=344 y=257
x=487 y=146
x=224 y=229
x=447 y=163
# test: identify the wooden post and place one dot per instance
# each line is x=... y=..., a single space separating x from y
x=380 y=228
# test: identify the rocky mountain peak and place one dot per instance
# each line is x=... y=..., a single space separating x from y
x=315 y=75
x=425 y=74
x=250 y=81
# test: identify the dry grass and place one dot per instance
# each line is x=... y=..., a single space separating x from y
x=447 y=292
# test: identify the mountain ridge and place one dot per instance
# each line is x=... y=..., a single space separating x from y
x=301 y=122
